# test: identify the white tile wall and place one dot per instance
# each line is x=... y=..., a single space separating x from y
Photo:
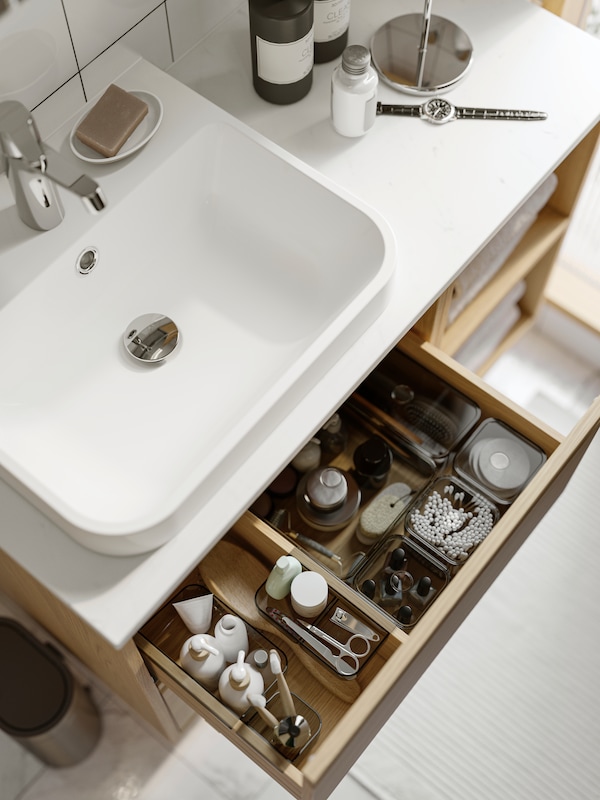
x=46 y=44
x=96 y=24
x=36 y=56
x=191 y=20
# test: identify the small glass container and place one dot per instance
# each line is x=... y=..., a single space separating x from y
x=450 y=518
x=327 y=498
x=333 y=437
x=372 y=461
x=354 y=93
x=498 y=460
x=434 y=417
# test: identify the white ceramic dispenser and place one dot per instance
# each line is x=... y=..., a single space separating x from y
x=238 y=682
x=232 y=636
x=201 y=658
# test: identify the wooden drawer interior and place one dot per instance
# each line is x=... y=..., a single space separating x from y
x=352 y=711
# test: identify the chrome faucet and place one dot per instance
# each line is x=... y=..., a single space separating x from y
x=33 y=168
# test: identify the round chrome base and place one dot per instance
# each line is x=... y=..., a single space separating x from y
x=415 y=68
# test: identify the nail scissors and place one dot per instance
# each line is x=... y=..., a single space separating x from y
x=346 y=662
x=357 y=646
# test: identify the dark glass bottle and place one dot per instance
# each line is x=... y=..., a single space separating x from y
x=332 y=18
x=282 y=46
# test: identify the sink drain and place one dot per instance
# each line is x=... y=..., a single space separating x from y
x=151 y=338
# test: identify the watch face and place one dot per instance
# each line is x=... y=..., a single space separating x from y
x=438 y=110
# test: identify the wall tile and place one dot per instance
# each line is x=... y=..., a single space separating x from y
x=36 y=55
x=192 y=20
x=60 y=106
x=150 y=38
x=96 y=24
x=106 y=69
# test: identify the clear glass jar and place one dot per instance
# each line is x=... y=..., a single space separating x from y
x=354 y=92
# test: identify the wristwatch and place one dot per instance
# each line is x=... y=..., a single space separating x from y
x=438 y=110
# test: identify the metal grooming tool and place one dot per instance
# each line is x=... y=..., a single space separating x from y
x=316 y=546
x=349 y=623
x=277 y=518
x=344 y=647
x=343 y=664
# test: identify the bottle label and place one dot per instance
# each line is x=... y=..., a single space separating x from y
x=332 y=18
x=285 y=62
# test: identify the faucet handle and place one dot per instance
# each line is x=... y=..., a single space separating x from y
x=20 y=136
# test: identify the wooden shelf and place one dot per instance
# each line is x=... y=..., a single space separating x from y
x=542 y=237
x=575 y=296
x=532 y=261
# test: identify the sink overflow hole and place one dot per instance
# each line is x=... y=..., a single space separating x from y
x=87 y=260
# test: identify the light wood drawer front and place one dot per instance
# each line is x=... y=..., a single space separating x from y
x=353 y=711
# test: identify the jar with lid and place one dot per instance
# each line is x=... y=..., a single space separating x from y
x=372 y=461
x=327 y=498
x=354 y=92
x=332 y=19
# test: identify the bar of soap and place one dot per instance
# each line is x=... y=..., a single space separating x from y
x=111 y=121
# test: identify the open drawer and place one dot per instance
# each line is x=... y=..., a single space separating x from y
x=351 y=710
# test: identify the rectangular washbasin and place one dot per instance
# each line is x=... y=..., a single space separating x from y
x=267 y=271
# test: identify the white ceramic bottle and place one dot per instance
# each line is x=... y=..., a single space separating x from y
x=354 y=92
x=232 y=636
x=201 y=658
x=237 y=682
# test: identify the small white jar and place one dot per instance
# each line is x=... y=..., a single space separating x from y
x=354 y=92
x=309 y=594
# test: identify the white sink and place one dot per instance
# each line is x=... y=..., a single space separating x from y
x=269 y=274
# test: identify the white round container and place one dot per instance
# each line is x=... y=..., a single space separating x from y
x=309 y=594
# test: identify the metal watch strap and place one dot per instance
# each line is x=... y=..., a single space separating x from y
x=439 y=110
x=400 y=111
x=463 y=112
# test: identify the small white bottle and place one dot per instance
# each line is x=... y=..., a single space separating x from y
x=237 y=682
x=281 y=576
x=202 y=659
x=354 y=92
x=232 y=636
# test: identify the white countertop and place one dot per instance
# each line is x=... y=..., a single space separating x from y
x=445 y=190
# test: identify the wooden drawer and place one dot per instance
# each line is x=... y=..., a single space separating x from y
x=352 y=711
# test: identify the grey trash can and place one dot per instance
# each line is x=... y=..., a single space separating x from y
x=42 y=706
